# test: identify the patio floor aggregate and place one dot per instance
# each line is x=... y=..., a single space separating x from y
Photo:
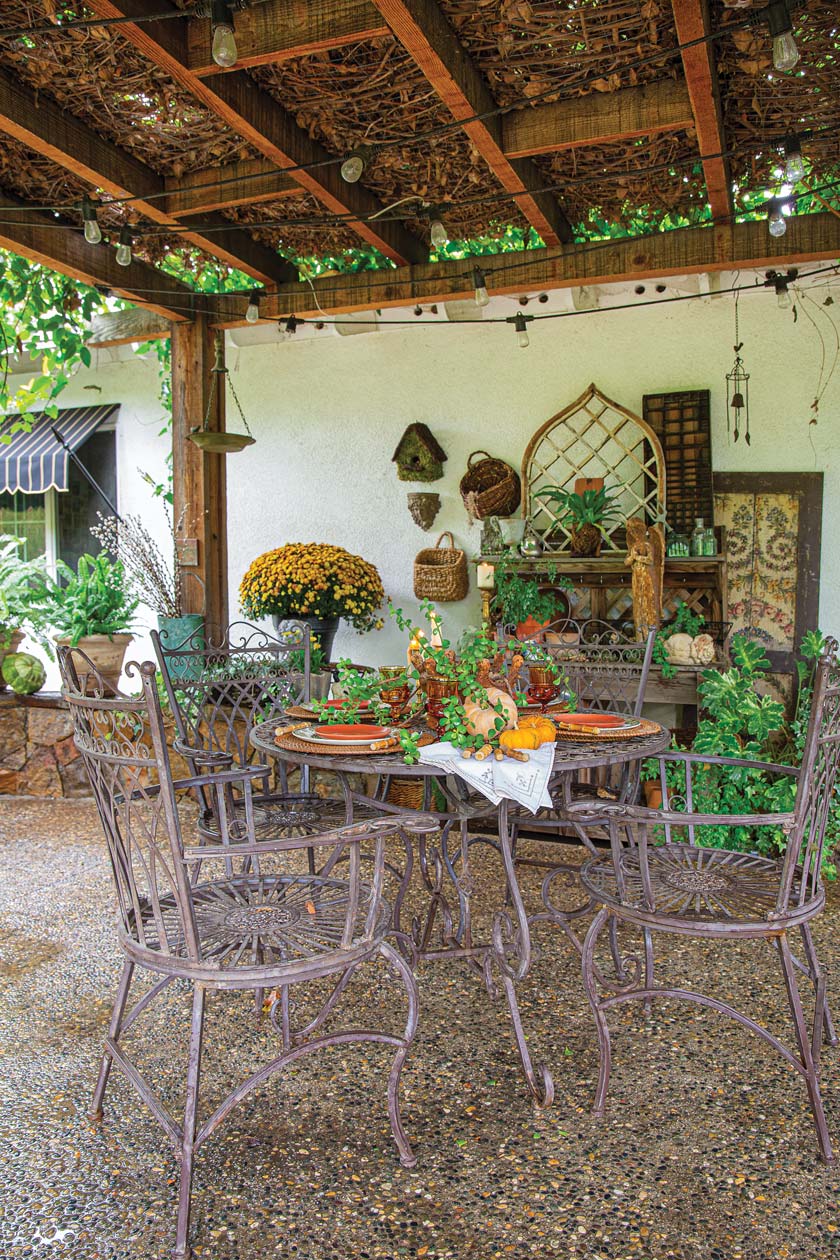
x=706 y=1152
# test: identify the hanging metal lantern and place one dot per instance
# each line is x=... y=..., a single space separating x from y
x=208 y=439
x=738 y=392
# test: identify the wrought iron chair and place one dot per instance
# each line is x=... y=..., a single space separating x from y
x=219 y=684
x=681 y=886
x=240 y=928
x=608 y=673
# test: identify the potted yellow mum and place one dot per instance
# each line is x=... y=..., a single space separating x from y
x=316 y=583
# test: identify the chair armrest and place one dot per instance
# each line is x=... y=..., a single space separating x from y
x=416 y=824
x=221 y=778
x=606 y=810
x=201 y=756
x=712 y=760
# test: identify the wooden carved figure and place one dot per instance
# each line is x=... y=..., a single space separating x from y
x=646 y=558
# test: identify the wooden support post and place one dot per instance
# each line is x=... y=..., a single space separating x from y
x=199 y=479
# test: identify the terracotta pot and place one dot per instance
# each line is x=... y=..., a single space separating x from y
x=653 y=793
x=106 y=654
x=529 y=627
x=14 y=645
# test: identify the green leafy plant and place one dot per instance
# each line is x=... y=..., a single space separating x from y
x=517 y=597
x=93 y=600
x=592 y=507
x=23 y=585
x=740 y=722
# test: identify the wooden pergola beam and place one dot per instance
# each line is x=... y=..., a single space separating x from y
x=277 y=30
x=688 y=251
x=692 y=23
x=237 y=184
x=121 y=328
x=258 y=118
x=199 y=480
x=56 y=134
x=38 y=236
x=424 y=32
x=599 y=118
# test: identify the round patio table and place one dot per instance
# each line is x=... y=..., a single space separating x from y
x=448 y=876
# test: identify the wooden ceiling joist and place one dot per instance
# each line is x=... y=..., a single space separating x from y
x=424 y=32
x=692 y=23
x=258 y=118
x=58 y=135
x=599 y=118
x=277 y=30
x=810 y=238
x=237 y=184
x=36 y=235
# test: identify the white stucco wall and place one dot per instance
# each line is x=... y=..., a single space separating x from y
x=327 y=413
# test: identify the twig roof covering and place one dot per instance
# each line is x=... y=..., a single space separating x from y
x=529 y=53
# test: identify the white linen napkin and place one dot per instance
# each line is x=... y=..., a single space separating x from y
x=524 y=782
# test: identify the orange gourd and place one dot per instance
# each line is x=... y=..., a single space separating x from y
x=521 y=737
x=544 y=727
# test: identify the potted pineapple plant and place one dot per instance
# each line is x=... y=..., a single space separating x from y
x=584 y=515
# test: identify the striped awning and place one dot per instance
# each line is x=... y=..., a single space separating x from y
x=34 y=462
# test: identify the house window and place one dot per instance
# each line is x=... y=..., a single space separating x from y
x=57 y=523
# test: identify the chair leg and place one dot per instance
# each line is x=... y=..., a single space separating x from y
x=812 y=1076
x=590 y=983
x=539 y=1079
x=113 y=1034
x=407 y=1157
x=816 y=971
x=649 y=968
x=187 y=1151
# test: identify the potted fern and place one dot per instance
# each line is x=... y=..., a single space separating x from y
x=92 y=609
x=583 y=515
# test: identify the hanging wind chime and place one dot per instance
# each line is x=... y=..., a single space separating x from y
x=208 y=439
x=738 y=391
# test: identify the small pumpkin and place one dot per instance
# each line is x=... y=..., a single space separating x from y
x=521 y=737
x=481 y=719
x=544 y=727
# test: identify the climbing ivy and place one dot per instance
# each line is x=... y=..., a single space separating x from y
x=46 y=316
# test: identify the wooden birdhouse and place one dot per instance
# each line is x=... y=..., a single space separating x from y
x=419 y=456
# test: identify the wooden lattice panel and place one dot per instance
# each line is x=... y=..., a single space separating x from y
x=682 y=423
x=594 y=437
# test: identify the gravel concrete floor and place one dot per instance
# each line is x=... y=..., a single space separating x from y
x=706 y=1153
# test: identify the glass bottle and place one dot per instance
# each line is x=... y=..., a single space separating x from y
x=698 y=537
x=709 y=542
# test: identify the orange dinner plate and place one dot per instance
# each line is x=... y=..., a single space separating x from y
x=601 y=720
x=358 y=730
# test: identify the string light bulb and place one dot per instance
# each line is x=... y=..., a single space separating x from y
x=252 y=314
x=93 y=232
x=439 y=234
x=482 y=297
x=780 y=283
x=352 y=168
x=224 y=37
x=794 y=165
x=124 y=248
x=785 y=51
x=520 y=323
x=776 y=221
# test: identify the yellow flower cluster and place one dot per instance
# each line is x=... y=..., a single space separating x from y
x=312 y=580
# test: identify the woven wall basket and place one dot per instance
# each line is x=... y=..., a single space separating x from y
x=440 y=573
x=490 y=487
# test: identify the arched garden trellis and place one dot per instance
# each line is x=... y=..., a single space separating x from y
x=594 y=437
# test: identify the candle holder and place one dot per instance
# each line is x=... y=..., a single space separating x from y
x=543 y=685
x=438 y=690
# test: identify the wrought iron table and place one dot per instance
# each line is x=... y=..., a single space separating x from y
x=447 y=875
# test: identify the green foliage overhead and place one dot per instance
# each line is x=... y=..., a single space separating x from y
x=46 y=316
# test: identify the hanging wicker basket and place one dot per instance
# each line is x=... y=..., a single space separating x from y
x=440 y=573
x=490 y=487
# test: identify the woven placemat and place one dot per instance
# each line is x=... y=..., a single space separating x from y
x=293 y=744
x=584 y=733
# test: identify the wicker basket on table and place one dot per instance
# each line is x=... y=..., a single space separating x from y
x=490 y=487
x=440 y=573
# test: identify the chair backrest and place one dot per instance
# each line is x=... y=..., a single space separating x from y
x=220 y=683
x=607 y=670
x=817 y=779
x=122 y=742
